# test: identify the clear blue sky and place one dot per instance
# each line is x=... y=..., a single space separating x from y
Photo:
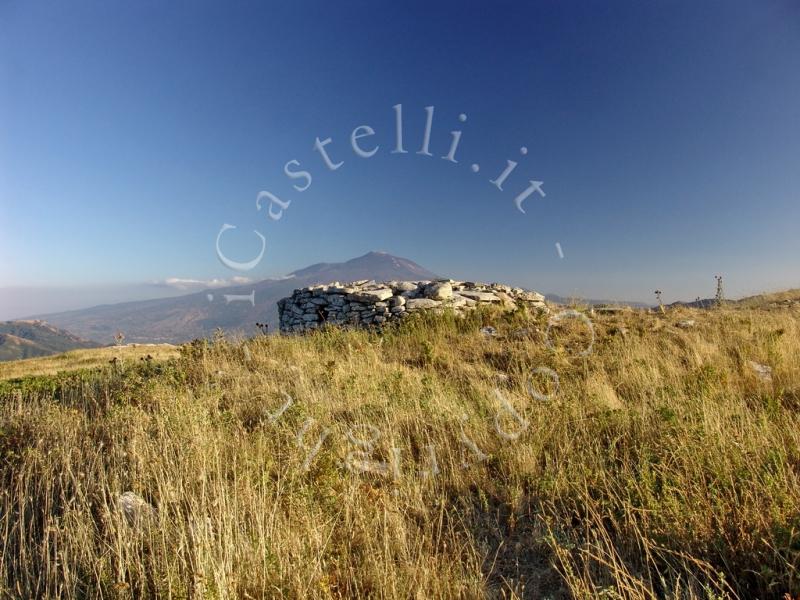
x=667 y=135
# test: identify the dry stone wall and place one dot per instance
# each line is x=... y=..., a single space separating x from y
x=369 y=303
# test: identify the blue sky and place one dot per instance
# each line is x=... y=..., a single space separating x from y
x=667 y=135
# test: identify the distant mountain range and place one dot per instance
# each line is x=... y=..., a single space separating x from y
x=29 y=339
x=197 y=315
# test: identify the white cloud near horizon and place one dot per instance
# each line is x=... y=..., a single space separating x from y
x=187 y=284
x=180 y=283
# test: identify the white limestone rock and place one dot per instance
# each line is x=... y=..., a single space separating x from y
x=480 y=296
x=421 y=303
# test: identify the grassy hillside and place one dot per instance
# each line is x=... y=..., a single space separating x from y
x=779 y=300
x=85 y=359
x=425 y=463
x=27 y=339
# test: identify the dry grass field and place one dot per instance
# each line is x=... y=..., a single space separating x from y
x=432 y=461
x=84 y=359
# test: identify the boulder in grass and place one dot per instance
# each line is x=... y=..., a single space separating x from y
x=136 y=510
x=763 y=372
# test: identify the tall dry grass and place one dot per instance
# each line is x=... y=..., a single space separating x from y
x=662 y=466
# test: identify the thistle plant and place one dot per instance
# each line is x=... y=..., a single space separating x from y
x=658 y=297
x=720 y=297
x=116 y=362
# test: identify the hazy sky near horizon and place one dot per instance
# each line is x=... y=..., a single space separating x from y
x=667 y=135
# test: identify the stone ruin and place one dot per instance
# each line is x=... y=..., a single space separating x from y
x=368 y=303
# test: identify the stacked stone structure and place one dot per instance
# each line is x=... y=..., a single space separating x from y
x=369 y=303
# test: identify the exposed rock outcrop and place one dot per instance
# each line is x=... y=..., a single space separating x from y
x=370 y=303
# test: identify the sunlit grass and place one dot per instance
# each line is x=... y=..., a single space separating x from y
x=661 y=466
x=84 y=359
